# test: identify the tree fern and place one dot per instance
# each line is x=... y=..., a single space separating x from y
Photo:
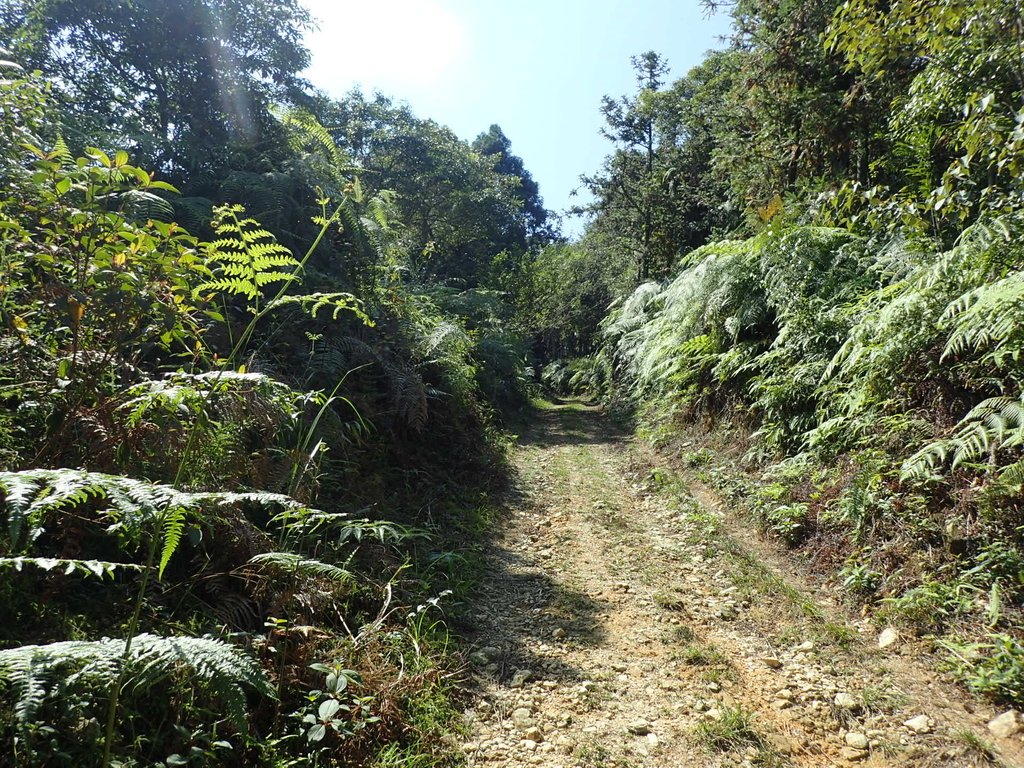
x=271 y=197
x=61 y=151
x=36 y=673
x=193 y=213
x=922 y=301
x=403 y=383
x=665 y=337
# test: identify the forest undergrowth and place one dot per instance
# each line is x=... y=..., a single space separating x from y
x=243 y=489
x=839 y=351
x=259 y=366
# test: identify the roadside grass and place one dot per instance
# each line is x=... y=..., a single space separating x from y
x=977 y=747
x=754 y=580
x=732 y=730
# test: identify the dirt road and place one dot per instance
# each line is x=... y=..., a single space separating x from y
x=622 y=623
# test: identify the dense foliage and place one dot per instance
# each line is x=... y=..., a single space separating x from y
x=250 y=375
x=256 y=343
x=851 y=316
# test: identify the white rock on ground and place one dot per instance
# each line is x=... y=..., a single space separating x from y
x=919 y=724
x=1005 y=725
x=888 y=637
x=522 y=718
x=856 y=740
x=845 y=701
x=639 y=727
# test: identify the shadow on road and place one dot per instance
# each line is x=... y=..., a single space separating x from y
x=572 y=423
x=524 y=610
x=521 y=610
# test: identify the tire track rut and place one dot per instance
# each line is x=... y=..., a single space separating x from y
x=620 y=625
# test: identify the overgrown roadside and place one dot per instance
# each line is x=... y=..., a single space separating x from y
x=621 y=623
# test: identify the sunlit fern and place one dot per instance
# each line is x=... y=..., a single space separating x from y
x=204 y=396
x=669 y=336
x=292 y=564
x=991 y=426
x=335 y=303
x=315 y=144
x=989 y=318
x=98 y=568
x=245 y=258
x=953 y=298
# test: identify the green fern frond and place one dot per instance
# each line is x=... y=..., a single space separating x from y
x=62 y=152
x=98 y=568
x=408 y=394
x=289 y=563
x=193 y=213
x=665 y=337
x=308 y=135
x=1013 y=474
x=215 y=394
x=248 y=259
x=337 y=302
x=993 y=425
x=141 y=205
x=30 y=494
x=173 y=526
x=989 y=318
x=443 y=336
x=36 y=673
x=133 y=506
x=268 y=196
x=259 y=498
x=381 y=210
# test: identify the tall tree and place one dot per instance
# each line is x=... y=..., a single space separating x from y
x=178 y=81
x=798 y=117
x=632 y=192
x=496 y=145
x=693 y=118
x=458 y=209
x=956 y=144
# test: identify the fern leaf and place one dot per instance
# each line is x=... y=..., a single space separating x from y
x=292 y=564
x=248 y=259
x=61 y=152
x=31 y=670
x=135 y=507
x=338 y=302
x=97 y=568
x=173 y=528
x=140 y=204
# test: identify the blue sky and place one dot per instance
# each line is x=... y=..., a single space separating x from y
x=537 y=68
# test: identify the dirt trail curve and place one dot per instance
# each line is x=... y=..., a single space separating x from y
x=621 y=625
